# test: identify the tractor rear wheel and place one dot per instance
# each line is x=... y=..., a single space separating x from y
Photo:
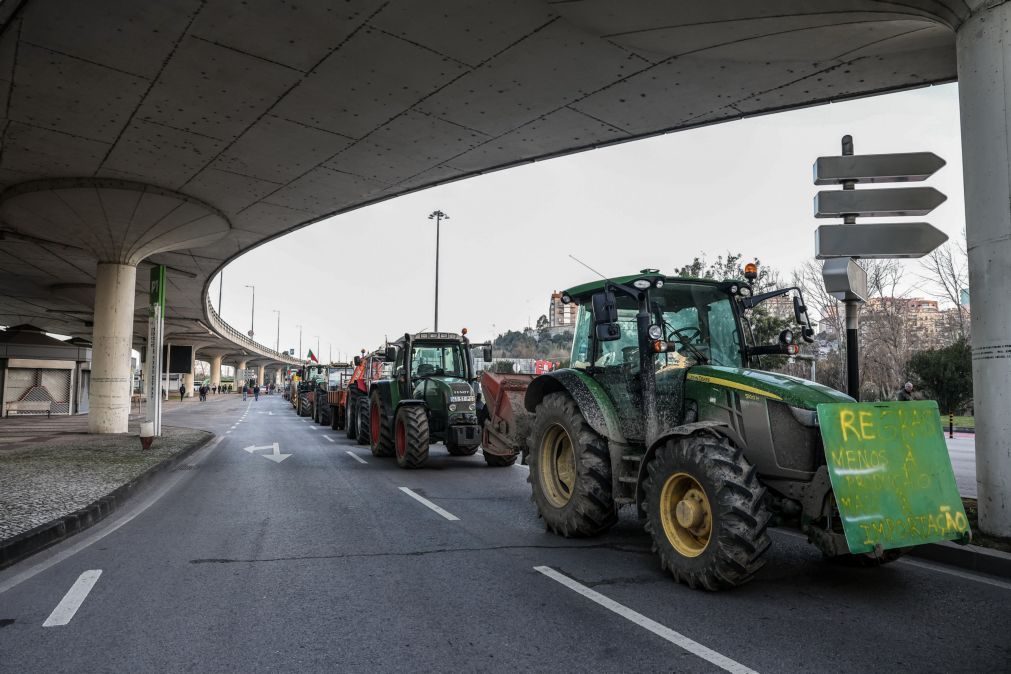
x=706 y=512
x=351 y=423
x=362 y=425
x=337 y=418
x=410 y=436
x=570 y=470
x=380 y=430
x=496 y=461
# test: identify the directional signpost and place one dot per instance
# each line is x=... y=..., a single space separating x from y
x=839 y=245
x=155 y=335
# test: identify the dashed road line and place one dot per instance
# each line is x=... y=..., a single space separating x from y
x=357 y=458
x=425 y=502
x=78 y=592
x=328 y=438
x=676 y=638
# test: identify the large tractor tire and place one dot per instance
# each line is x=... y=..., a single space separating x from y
x=496 y=461
x=362 y=422
x=380 y=430
x=351 y=424
x=410 y=436
x=303 y=408
x=337 y=418
x=706 y=512
x=570 y=470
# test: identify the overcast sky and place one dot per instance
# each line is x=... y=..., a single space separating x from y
x=743 y=186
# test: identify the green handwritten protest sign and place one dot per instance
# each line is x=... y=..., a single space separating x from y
x=891 y=474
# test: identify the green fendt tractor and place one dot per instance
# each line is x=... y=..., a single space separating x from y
x=430 y=398
x=663 y=407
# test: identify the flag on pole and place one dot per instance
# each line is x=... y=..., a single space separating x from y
x=312 y=356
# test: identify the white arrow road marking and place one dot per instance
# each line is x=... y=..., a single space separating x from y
x=424 y=501
x=78 y=592
x=356 y=457
x=276 y=457
x=676 y=638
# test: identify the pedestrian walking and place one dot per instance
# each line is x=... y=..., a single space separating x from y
x=256 y=392
x=182 y=392
x=906 y=392
x=243 y=391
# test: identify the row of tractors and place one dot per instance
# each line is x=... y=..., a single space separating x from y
x=668 y=408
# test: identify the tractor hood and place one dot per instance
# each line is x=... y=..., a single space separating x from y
x=791 y=390
x=453 y=389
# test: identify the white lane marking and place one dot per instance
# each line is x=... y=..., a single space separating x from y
x=425 y=502
x=91 y=539
x=327 y=437
x=676 y=638
x=358 y=458
x=78 y=592
x=961 y=574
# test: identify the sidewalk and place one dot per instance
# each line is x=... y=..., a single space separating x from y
x=56 y=479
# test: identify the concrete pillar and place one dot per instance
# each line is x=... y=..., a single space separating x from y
x=277 y=378
x=984 y=67
x=215 y=371
x=261 y=374
x=188 y=379
x=239 y=373
x=112 y=339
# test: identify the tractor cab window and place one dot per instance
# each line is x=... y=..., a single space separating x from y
x=700 y=319
x=580 y=357
x=431 y=361
x=623 y=351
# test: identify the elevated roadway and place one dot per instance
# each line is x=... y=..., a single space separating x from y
x=185 y=133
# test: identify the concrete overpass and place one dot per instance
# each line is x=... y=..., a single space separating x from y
x=185 y=133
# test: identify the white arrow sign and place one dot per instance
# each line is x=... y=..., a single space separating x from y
x=276 y=457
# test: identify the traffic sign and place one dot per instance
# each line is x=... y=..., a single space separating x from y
x=876 y=168
x=844 y=279
x=880 y=240
x=886 y=203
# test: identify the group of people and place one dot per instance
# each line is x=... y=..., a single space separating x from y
x=204 y=390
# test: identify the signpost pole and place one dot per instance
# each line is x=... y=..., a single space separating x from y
x=852 y=305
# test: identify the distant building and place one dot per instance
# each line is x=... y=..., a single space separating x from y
x=559 y=313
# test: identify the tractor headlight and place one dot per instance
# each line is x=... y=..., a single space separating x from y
x=452 y=407
x=641 y=283
x=659 y=283
x=655 y=332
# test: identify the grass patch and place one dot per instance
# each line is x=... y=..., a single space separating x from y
x=960 y=422
x=978 y=537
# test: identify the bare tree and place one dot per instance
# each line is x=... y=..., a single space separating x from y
x=946 y=274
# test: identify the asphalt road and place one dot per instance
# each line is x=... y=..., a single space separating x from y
x=320 y=561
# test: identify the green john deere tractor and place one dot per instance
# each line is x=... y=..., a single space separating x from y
x=430 y=398
x=665 y=408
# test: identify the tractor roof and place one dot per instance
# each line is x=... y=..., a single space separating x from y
x=652 y=275
x=433 y=337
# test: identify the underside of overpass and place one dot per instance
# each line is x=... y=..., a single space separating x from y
x=186 y=132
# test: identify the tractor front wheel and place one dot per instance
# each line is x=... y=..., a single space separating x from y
x=362 y=424
x=410 y=436
x=351 y=421
x=380 y=430
x=706 y=512
x=570 y=470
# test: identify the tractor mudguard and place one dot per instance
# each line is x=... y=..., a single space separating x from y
x=408 y=402
x=717 y=428
x=590 y=397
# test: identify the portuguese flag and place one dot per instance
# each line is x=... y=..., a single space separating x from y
x=312 y=356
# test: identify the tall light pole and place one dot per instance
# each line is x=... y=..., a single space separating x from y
x=317 y=346
x=252 y=311
x=277 y=344
x=438 y=216
x=299 y=341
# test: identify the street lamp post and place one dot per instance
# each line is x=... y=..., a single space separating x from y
x=438 y=216
x=252 y=311
x=277 y=343
x=317 y=346
x=299 y=341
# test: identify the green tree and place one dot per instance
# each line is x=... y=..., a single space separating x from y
x=945 y=375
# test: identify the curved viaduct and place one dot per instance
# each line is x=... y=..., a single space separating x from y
x=186 y=132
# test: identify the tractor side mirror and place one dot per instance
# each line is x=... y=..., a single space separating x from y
x=803 y=320
x=605 y=317
x=486 y=354
x=358 y=361
x=391 y=353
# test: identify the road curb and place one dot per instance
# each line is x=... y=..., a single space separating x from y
x=968 y=557
x=29 y=542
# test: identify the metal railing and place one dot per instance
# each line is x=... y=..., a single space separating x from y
x=226 y=331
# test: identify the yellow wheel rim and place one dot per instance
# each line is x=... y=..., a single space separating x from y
x=686 y=514
x=558 y=466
